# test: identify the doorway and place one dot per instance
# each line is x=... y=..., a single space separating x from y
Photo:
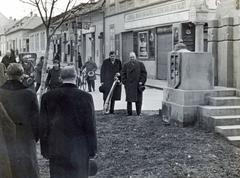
x=164 y=46
x=127 y=45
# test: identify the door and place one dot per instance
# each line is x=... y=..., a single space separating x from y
x=127 y=45
x=164 y=43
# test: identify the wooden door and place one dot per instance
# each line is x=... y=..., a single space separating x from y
x=127 y=45
x=164 y=43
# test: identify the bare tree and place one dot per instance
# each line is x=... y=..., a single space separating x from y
x=46 y=10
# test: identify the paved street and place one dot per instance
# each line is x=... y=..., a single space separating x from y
x=152 y=99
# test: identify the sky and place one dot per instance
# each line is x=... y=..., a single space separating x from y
x=17 y=9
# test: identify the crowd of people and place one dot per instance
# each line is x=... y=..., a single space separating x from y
x=64 y=120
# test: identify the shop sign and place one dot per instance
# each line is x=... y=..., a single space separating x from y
x=90 y=30
x=156 y=11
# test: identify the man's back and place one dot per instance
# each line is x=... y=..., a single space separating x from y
x=70 y=114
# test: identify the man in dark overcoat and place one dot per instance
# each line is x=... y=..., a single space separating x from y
x=8 y=58
x=22 y=107
x=111 y=67
x=67 y=128
x=53 y=78
x=134 y=76
x=2 y=74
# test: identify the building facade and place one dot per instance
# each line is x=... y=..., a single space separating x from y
x=151 y=28
x=224 y=43
x=4 y=24
x=37 y=40
x=83 y=33
x=17 y=35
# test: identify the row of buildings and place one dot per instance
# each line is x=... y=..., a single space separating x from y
x=150 y=28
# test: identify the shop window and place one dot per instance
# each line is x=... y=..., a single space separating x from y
x=144 y=44
x=188 y=35
x=117 y=45
x=112 y=37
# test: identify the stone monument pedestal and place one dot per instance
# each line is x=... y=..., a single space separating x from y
x=190 y=82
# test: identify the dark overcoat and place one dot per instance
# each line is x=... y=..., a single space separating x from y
x=108 y=71
x=6 y=60
x=68 y=130
x=38 y=72
x=22 y=107
x=3 y=76
x=133 y=72
x=53 y=78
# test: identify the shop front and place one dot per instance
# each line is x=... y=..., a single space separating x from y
x=153 y=31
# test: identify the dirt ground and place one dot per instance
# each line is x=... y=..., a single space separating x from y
x=132 y=146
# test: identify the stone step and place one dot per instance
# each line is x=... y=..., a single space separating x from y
x=221 y=92
x=226 y=120
x=235 y=140
x=205 y=114
x=229 y=130
x=224 y=101
x=219 y=110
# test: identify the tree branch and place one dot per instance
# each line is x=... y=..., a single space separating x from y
x=30 y=2
x=40 y=12
x=44 y=8
x=51 y=12
x=66 y=15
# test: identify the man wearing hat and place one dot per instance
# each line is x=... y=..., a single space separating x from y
x=67 y=128
x=8 y=58
x=22 y=107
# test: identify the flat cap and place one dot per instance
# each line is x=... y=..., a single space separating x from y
x=15 y=69
x=68 y=72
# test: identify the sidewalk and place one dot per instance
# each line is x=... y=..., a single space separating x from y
x=152 y=83
x=157 y=84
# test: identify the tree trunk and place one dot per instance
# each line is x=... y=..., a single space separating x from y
x=44 y=68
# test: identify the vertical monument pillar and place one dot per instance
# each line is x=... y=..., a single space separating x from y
x=225 y=52
x=199 y=37
x=190 y=80
x=213 y=46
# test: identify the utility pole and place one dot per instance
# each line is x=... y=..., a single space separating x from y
x=76 y=44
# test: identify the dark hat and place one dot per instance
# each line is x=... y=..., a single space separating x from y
x=68 y=72
x=15 y=69
x=101 y=89
x=141 y=88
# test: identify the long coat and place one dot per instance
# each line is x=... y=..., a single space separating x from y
x=68 y=130
x=38 y=71
x=108 y=71
x=22 y=107
x=133 y=72
x=2 y=74
x=6 y=60
x=53 y=78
